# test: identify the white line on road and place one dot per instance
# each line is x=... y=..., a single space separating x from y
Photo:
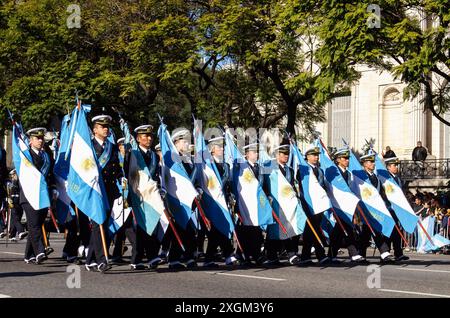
x=413 y=293
x=424 y=270
x=249 y=276
x=12 y=253
x=4 y=296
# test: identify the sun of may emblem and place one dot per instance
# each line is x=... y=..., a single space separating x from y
x=211 y=183
x=366 y=193
x=87 y=164
x=389 y=188
x=287 y=192
x=248 y=176
x=27 y=162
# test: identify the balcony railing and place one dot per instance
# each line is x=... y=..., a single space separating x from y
x=428 y=169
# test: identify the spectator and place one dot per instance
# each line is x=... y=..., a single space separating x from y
x=389 y=153
x=419 y=207
x=419 y=153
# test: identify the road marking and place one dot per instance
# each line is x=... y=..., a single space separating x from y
x=4 y=296
x=249 y=276
x=12 y=253
x=413 y=293
x=424 y=270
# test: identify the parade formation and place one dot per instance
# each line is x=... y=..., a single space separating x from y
x=248 y=204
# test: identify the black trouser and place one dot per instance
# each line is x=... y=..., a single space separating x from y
x=310 y=240
x=73 y=239
x=187 y=237
x=251 y=240
x=127 y=230
x=16 y=217
x=95 y=253
x=35 y=220
x=216 y=239
x=380 y=241
x=200 y=240
x=147 y=245
x=396 y=241
x=274 y=247
x=338 y=239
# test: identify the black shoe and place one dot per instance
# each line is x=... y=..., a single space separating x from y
x=294 y=260
x=91 y=267
x=177 y=266
x=305 y=262
x=401 y=258
x=49 y=250
x=210 y=265
x=22 y=235
x=272 y=263
x=138 y=267
x=191 y=264
x=103 y=267
x=390 y=259
x=153 y=264
x=31 y=260
x=335 y=261
x=360 y=261
x=117 y=261
x=40 y=258
x=325 y=261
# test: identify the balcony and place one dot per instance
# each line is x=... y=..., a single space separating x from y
x=429 y=169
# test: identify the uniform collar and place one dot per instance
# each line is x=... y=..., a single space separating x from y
x=100 y=142
x=144 y=149
x=36 y=151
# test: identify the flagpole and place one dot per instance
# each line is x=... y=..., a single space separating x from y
x=172 y=226
x=52 y=216
x=365 y=219
x=401 y=235
x=314 y=232
x=78 y=220
x=102 y=234
x=277 y=219
x=202 y=214
x=426 y=233
x=44 y=234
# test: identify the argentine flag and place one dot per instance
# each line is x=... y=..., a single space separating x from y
x=253 y=204
x=32 y=181
x=85 y=184
x=175 y=180
x=342 y=198
x=405 y=214
x=381 y=219
x=423 y=244
x=286 y=206
x=315 y=196
x=145 y=196
x=61 y=171
x=213 y=198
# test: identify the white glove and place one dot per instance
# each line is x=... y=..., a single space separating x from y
x=55 y=194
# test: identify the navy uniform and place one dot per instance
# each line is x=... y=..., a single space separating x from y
x=35 y=249
x=337 y=235
x=108 y=159
x=148 y=245
x=16 y=210
x=274 y=247
x=251 y=237
x=187 y=235
x=380 y=240
x=309 y=239
x=395 y=238
x=215 y=237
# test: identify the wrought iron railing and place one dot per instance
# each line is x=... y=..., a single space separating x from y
x=428 y=169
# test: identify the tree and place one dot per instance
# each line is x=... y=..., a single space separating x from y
x=412 y=43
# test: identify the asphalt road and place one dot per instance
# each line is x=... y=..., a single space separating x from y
x=421 y=276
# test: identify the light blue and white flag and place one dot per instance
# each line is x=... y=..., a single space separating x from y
x=145 y=196
x=213 y=199
x=423 y=243
x=286 y=206
x=405 y=214
x=32 y=180
x=378 y=217
x=85 y=184
x=253 y=204
x=61 y=171
x=342 y=198
x=175 y=180
x=315 y=196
